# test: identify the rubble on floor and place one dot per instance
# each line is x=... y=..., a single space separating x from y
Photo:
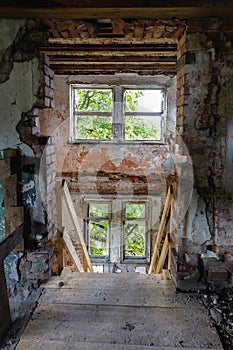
x=220 y=309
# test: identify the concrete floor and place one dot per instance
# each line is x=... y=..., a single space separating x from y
x=117 y=311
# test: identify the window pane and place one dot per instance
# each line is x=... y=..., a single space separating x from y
x=144 y=100
x=98 y=233
x=98 y=210
x=134 y=238
x=135 y=210
x=94 y=127
x=142 y=128
x=93 y=100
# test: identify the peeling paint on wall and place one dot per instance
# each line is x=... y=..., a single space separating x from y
x=197 y=224
x=28 y=189
x=17 y=95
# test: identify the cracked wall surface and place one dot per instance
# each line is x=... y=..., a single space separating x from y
x=23 y=92
x=204 y=121
x=17 y=96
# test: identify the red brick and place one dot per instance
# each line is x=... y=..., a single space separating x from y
x=138 y=32
x=178 y=33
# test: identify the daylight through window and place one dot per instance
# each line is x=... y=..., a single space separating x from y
x=117 y=113
x=130 y=228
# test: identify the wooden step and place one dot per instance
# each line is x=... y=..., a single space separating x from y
x=117 y=311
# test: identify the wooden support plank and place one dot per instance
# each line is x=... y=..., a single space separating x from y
x=10 y=242
x=5 y=317
x=170 y=237
x=161 y=230
x=60 y=224
x=10 y=200
x=163 y=255
x=74 y=219
x=5 y=169
x=16 y=220
x=71 y=251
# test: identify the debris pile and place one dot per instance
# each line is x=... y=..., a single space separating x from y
x=220 y=309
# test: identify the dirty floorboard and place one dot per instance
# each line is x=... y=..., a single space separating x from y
x=117 y=311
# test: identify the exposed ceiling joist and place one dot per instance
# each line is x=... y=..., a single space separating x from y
x=207 y=9
x=120 y=67
x=81 y=58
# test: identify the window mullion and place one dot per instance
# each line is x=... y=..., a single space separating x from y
x=118 y=118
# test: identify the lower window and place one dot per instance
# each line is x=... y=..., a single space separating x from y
x=135 y=230
x=98 y=229
x=129 y=230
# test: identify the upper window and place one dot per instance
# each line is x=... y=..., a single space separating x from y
x=117 y=113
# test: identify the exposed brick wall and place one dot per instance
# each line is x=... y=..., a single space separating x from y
x=36 y=267
x=130 y=29
x=204 y=110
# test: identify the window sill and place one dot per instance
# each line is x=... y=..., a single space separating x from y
x=116 y=142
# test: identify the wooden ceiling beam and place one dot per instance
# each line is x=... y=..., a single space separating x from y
x=104 y=64
x=113 y=67
x=113 y=42
x=68 y=60
x=184 y=11
x=80 y=54
x=112 y=70
x=110 y=48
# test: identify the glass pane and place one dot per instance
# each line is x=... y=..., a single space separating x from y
x=98 y=233
x=144 y=100
x=98 y=210
x=93 y=100
x=142 y=128
x=135 y=210
x=134 y=238
x=94 y=127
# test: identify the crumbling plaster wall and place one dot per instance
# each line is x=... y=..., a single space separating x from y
x=17 y=96
x=23 y=93
x=204 y=115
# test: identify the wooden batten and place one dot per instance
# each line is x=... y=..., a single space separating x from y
x=16 y=220
x=71 y=251
x=69 y=241
x=162 y=225
x=5 y=317
x=5 y=169
x=73 y=216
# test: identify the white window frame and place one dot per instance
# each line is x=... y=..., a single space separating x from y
x=118 y=113
x=96 y=219
x=145 y=220
x=122 y=202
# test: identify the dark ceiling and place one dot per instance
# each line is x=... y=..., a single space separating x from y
x=115 y=9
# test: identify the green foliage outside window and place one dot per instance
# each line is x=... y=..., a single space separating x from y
x=134 y=238
x=99 y=127
x=93 y=100
x=94 y=127
x=138 y=128
x=135 y=229
x=135 y=210
x=98 y=232
x=98 y=228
